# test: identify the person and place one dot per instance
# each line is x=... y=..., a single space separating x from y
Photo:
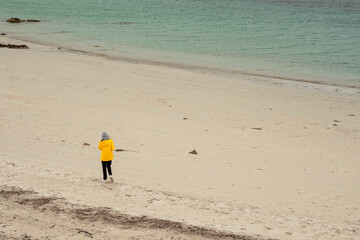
x=106 y=146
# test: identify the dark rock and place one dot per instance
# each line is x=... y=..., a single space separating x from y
x=120 y=150
x=193 y=152
x=18 y=20
x=86 y=144
x=185 y=118
x=15 y=20
x=3 y=34
x=13 y=46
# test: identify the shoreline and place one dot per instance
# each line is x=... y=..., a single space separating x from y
x=273 y=160
x=220 y=71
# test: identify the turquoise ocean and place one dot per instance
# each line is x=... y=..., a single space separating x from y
x=305 y=40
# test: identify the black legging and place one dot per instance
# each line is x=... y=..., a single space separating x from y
x=106 y=164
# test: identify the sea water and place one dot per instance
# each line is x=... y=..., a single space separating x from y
x=310 y=40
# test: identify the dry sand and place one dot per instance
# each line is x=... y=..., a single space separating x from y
x=276 y=159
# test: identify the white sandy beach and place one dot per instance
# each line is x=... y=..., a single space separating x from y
x=276 y=159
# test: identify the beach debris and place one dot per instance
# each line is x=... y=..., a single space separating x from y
x=193 y=152
x=25 y=236
x=120 y=150
x=13 y=46
x=86 y=144
x=86 y=233
x=18 y=20
x=3 y=34
x=185 y=118
x=257 y=128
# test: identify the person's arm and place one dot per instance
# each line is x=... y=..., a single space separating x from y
x=99 y=146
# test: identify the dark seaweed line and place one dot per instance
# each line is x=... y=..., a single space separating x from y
x=110 y=216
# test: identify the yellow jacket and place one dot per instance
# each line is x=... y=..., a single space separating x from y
x=106 y=147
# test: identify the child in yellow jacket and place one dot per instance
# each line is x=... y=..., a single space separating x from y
x=106 y=145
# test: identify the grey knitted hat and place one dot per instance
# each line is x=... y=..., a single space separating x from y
x=105 y=136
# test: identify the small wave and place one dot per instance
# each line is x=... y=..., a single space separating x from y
x=122 y=23
x=55 y=32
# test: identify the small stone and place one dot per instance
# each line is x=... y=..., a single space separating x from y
x=185 y=118
x=336 y=121
x=3 y=34
x=193 y=152
x=334 y=125
x=119 y=150
x=86 y=144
